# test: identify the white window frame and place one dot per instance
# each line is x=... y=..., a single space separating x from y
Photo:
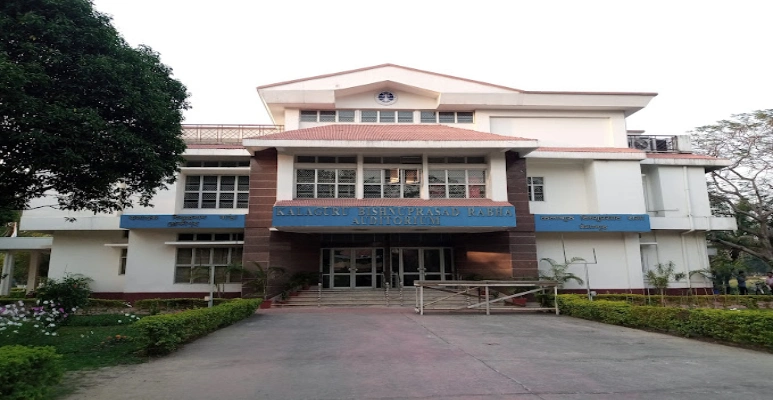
x=446 y=184
x=337 y=184
x=530 y=185
x=402 y=181
x=240 y=197
x=233 y=258
x=122 y=262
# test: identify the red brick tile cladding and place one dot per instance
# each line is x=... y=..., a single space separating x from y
x=292 y=251
x=512 y=253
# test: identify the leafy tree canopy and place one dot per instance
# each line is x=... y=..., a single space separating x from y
x=745 y=188
x=82 y=113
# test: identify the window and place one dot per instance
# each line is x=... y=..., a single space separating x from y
x=327 y=116
x=368 y=116
x=326 y=159
x=215 y=191
x=392 y=183
x=209 y=237
x=324 y=183
x=308 y=116
x=457 y=160
x=122 y=262
x=218 y=164
x=346 y=116
x=536 y=188
x=457 y=184
x=193 y=264
x=447 y=117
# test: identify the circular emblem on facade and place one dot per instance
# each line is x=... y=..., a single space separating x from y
x=386 y=98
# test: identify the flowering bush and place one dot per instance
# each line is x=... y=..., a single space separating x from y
x=70 y=292
x=20 y=319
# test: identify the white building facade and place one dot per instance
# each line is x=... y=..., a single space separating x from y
x=387 y=175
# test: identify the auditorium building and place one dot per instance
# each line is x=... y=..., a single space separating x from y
x=387 y=175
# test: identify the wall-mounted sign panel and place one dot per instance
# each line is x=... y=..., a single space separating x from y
x=394 y=217
x=207 y=221
x=592 y=222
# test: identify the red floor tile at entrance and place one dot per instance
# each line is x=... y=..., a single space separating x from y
x=356 y=354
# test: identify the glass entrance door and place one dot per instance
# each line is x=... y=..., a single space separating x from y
x=351 y=268
x=425 y=264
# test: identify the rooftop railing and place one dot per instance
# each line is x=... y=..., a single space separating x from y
x=226 y=134
x=655 y=144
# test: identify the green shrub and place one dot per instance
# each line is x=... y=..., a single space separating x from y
x=160 y=334
x=28 y=373
x=175 y=304
x=748 y=327
x=70 y=292
x=106 y=303
x=724 y=301
x=101 y=320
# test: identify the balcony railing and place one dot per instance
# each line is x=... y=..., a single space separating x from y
x=226 y=134
x=655 y=144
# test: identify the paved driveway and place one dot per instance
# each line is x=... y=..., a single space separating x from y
x=395 y=354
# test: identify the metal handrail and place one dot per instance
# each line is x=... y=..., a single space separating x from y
x=223 y=133
x=386 y=285
x=319 y=291
x=654 y=143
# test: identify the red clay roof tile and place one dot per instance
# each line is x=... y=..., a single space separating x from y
x=397 y=132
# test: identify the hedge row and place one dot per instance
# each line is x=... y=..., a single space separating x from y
x=748 y=327
x=712 y=301
x=163 y=333
x=175 y=304
x=28 y=373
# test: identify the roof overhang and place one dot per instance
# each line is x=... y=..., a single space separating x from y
x=26 y=243
x=582 y=153
x=522 y=146
x=688 y=160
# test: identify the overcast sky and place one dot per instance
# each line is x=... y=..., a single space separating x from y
x=707 y=60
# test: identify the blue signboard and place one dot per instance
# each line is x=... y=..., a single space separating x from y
x=395 y=217
x=592 y=222
x=185 y=221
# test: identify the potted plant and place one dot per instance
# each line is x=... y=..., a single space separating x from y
x=260 y=280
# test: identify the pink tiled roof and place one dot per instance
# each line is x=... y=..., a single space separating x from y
x=683 y=156
x=590 y=149
x=396 y=132
x=391 y=203
x=215 y=146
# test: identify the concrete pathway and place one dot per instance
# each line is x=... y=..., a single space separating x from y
x=395 y=354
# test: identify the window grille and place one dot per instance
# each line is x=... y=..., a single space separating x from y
x=536 y=188
x=392 y=183
x=457 y=184
x=324 y=183
x=193 y=265
x=216 y=191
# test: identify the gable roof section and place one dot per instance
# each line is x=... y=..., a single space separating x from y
x=397 y=132
x=397 y=136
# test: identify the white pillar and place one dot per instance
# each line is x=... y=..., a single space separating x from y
x=32 y=274
x=7 y=275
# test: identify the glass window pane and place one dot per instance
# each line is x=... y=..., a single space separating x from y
x=412 y=176
x=368 y=116
x=327 y=116
x=220 y=274
x=308 y=116
x=191 y=200
x=201 y=256
x=243 y=183
x=346 y=116
x=476 y=176
x=386 y=116
x=456 y=176
x=391 y=191
x=346 y=191
x=456 y=191
x=392 y=176
x=437 y=176
x=464 y=117
x=185 y=237
x=477 y=192
x=347 y=160
x=447 y=117
x=304 y=175
x=204 y=236
x=437 y=191
x=436 y=160
x=305 y=159
x=412 y=191
x=326 y=191
x=220 y=256
x=326 y=159
x=192 y=183
x=372 y=160
x=222 y=236
x=209 y=200
x=476 y=160
x=227 y=182
x=226 y=200
x=428 y=117
x=347 y=175
x=182 y=275
x=326 y=176
x=184 y=255
x=372 y=175
x=537 y=181
x=405 y=117
x=456 y=160
x=200 y=274
x=304 y=191
x=372 y=191
x=243 y=200
x=209 y=183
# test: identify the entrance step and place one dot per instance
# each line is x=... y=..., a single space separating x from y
x=371 y=298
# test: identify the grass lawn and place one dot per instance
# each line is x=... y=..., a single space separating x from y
x=88 y=347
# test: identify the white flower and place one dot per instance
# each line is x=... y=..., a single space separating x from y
x=45 y=301
x=53 y=334
x=47 y=333
x=119 y=321
x=15 y=331
x=127 y=314
x=21 y=303
x=82 y=335
x=36 y=326
x=73 y=309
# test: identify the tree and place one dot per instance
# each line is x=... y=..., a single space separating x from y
x=82 y=114
x=743 y=189
x=559 y=272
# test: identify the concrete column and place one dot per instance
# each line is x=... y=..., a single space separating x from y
x=32 y=274
x=7 y=274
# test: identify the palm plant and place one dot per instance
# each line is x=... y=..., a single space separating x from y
x=661 y=276
x=261 y=277
x=559 y=271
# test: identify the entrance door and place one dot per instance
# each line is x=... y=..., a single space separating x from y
x=425 y=264
x=351 y=268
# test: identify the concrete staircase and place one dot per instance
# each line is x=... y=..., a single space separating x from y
x=370 y=298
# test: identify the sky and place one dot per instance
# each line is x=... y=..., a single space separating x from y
x=706 y=60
